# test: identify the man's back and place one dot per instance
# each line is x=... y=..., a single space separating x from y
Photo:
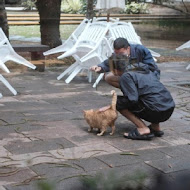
x=146 y=88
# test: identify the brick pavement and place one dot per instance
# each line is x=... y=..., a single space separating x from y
x=44 y=136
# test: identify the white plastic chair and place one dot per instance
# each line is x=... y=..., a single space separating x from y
x=126 y=30
x=185 y=45
x=90 y=49
x=6 y=83
x=69 y=43
x=7 y=53
x=97 y=19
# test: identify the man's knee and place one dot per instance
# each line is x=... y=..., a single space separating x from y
x=112 y=80
x=109 y=78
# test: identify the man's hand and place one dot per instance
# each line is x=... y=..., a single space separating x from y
x=95 y=68
x=104 y=108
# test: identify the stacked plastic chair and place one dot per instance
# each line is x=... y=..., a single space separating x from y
x=7 y=53
x=90 y=49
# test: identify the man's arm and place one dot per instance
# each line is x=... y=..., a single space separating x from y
x=143 y=55
x=102 y=67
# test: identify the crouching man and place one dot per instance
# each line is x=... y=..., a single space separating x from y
x=144 y=98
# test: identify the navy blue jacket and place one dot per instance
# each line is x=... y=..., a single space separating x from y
x=145 y=88
x=138 y=53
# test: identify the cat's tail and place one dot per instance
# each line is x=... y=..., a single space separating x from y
x=114 y=100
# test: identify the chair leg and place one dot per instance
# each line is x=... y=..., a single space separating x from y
x=73 y=74
x=20 y=60
x=4 y=67
x=6 y=83
x=68 y=70
x=98 y=80
x=188 y=67
x=89 y=76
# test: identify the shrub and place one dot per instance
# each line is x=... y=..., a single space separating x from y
x=84 y=7
x=136 y=8
x=71 y=6
x=29 y=4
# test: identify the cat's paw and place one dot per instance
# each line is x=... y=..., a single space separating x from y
x=89 y=130
x=111 y=133
x=100 y=134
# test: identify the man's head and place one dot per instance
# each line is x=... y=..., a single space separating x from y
x=118 y=64
x=121 y=46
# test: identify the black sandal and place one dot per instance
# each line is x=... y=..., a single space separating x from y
x=156 y=133
x=135 y=135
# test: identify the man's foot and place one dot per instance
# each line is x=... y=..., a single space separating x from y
x=157 y=133
x=135 y=135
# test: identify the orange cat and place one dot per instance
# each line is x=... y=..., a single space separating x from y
x=102 y=119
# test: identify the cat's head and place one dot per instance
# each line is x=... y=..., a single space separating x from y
x=87 y=112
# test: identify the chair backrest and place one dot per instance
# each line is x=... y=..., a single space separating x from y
x=125 y=30
x=3 y=37
x=93 y=34
x=97 y=19
x=78 y=31
x=5 y=44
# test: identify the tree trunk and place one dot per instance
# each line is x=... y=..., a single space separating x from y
x=90 y=12
x=49 y=12
x=3 y=18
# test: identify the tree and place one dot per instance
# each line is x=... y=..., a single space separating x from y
x=49 y=12
x=173 y=4
x=3 y=18
x=90 y=12
x=179 y=6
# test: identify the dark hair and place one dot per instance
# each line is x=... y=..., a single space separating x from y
x=118 y=62
x=121 y=43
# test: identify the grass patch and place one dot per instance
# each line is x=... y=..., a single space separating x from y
x=34 y=31
x=26 y=31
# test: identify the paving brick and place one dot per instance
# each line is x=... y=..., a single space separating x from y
x=37 y=145
x=169 y=165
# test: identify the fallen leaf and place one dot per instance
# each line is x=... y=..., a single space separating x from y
x=129 y=153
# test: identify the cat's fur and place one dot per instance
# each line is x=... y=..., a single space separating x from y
x=102 y=119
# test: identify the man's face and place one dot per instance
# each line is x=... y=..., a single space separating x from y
x=123 y=51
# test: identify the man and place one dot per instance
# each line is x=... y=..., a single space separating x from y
x=144 y=97
x=136 y=53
